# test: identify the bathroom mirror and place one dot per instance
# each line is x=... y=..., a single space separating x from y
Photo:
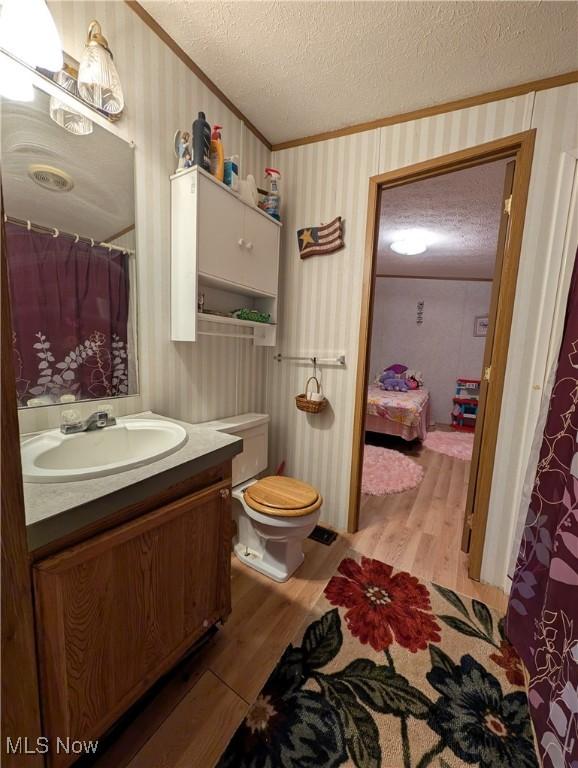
x=68 y=186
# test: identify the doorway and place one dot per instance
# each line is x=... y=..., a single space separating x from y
x=509 y=160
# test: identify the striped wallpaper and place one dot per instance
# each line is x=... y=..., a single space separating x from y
x=321 y=297
x=319 y=311
x=215 y=376
x=555 y=116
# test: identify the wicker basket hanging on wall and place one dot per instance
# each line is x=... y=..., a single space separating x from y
x=311 y=406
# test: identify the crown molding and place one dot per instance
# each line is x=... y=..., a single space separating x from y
x=449 y=106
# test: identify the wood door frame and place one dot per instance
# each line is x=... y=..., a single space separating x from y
x=519 y=146
x=503 y=234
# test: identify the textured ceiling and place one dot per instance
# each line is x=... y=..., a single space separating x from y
x=100 y=204
x=298 y=68
x=458 y=213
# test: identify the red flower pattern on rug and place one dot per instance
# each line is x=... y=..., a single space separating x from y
x=382 y=607
x=508 y=659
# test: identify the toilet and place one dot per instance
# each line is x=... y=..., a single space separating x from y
x=273 y=514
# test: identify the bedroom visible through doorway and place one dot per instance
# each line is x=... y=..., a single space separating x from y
x=441 y=265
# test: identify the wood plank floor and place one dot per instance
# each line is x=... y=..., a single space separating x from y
x=191 y=722
x=420 y=530
x=211 y=711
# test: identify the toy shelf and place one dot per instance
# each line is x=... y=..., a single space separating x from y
x=465 y=405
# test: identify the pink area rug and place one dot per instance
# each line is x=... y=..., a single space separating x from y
x=386 y=471
x=459 y=445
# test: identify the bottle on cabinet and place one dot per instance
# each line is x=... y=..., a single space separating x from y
x=217 y=155
x=271 y=202
x=202 y=142
x=231 y=173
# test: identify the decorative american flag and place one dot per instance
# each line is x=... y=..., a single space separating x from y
x=317 y=241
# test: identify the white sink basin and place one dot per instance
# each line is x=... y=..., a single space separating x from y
x=52 y=457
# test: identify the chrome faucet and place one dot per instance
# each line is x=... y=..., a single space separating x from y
x=96 y=420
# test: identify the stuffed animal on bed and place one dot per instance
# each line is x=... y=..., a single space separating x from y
x=414 y=379
x=393 y=379
x=393 y=385
x=397 y=369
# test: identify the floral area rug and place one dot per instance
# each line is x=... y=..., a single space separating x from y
x=386 y=471
x=459 y=445
x=390 y=672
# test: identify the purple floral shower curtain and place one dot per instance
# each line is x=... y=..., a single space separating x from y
x=70 y=304
x=542 y=619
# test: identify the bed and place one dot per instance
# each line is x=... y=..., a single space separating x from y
x=405 y=414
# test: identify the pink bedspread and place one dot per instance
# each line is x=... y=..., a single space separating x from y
x=405 y=414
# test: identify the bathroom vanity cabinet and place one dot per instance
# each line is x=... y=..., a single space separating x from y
x=225 y=250
x=116 y=611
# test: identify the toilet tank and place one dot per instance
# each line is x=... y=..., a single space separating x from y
x=254 y=429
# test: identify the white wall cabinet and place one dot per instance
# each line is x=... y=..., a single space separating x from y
x=225 y=249
x=260 y=240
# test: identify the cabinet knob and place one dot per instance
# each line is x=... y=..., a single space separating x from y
x=224 y=493
x=241 y=242
x=249 y=246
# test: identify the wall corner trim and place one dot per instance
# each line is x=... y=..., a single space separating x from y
x=566 y=78
x=195 y=69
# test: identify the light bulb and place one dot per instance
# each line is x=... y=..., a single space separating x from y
x=28 y=31
x=409 y=246
x=98 y=80
x=15 y=81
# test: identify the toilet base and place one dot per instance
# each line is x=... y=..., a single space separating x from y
x=278 y=560
x=270 y=544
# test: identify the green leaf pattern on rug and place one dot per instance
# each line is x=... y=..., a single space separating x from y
x=484 y=616
x=484 y=630
x=323 y=640
x=453 y=599
x=361 y=734
x=440 y=659
x=383 y=690
x=464 y=627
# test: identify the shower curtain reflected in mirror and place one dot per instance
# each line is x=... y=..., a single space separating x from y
x=70 y=317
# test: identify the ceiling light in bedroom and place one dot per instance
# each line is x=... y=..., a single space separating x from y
x=409 y=245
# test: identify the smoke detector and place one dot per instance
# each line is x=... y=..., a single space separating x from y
x=48 y=177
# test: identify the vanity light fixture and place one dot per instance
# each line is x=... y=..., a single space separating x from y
x=98 y=80
x=63 y=114
x=28 y=33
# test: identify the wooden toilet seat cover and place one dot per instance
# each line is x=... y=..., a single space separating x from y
x=283 y=497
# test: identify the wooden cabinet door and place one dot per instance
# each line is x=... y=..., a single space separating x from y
x=261 y=252
x=116 y=612
x=220 y=230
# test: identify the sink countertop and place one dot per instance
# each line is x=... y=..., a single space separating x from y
x=54 y=509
